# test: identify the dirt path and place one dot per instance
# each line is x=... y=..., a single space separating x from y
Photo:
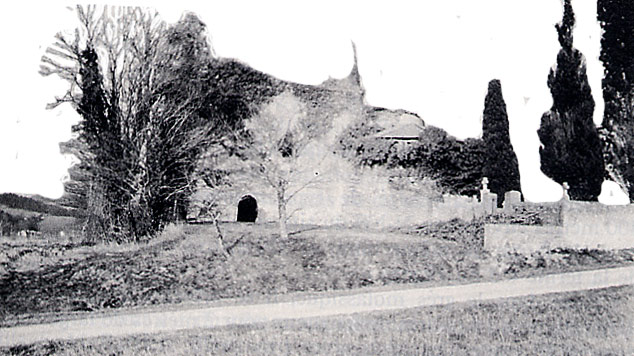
x=155 y=322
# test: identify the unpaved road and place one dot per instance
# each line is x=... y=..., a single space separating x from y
x=155 y=322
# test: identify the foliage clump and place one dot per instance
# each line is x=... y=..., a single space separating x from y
x=13 y=223
x=455 y=165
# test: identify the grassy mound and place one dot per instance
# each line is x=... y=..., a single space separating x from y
x=185 y=264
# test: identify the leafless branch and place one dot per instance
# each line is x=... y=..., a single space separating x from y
x=293 y=213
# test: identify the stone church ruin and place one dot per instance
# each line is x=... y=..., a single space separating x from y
x=343 y=193
x=376 y=197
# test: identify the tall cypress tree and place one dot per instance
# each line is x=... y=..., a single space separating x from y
x=500 y=165
x=571 y=149
x=617 y=54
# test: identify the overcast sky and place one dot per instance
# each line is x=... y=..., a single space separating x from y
x=434 y=58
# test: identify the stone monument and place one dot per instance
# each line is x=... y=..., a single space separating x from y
x=511 y=199
x=566 y=187
x=488 y=200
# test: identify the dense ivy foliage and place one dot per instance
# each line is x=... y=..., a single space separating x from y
x=455 y=165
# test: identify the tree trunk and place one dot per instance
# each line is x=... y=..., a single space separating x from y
x=281 y=208
x=219 y=234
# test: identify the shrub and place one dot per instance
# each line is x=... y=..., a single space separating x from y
x=357 y=144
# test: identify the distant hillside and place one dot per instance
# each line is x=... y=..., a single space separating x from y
x=35 y=204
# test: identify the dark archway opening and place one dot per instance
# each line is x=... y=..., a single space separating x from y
x=247 y=209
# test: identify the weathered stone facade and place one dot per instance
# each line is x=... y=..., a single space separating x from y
x=343 y=193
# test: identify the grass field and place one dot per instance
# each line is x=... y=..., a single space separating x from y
x=53 y=225
x=598 y=322
x=56 y=277
x=50 y=226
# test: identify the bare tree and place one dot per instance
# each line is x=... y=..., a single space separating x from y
x=214 y=176
x=142 y=90
x=273 y=148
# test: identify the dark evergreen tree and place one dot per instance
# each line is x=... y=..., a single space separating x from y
x=98 y=131
x=500 y=164
x=617 y=53
x=571 y=149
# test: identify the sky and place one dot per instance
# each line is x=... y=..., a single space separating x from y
x=434 y=58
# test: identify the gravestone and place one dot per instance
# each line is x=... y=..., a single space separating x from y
x=488 y=200
x=511 y=199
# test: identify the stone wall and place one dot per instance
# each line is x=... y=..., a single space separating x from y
x=543 y=213
x=594 y=225
x=567 y=224
x=343 y=194
x=500 y=238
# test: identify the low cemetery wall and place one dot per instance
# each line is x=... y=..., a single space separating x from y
x=597 y=226
x=565 y=224
x=360 y=199
x=500 y=238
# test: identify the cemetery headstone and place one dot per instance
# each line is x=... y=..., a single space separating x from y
x=488 y=200
x=511 y=199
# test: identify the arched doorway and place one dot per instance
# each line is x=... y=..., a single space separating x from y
x=247 y=209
